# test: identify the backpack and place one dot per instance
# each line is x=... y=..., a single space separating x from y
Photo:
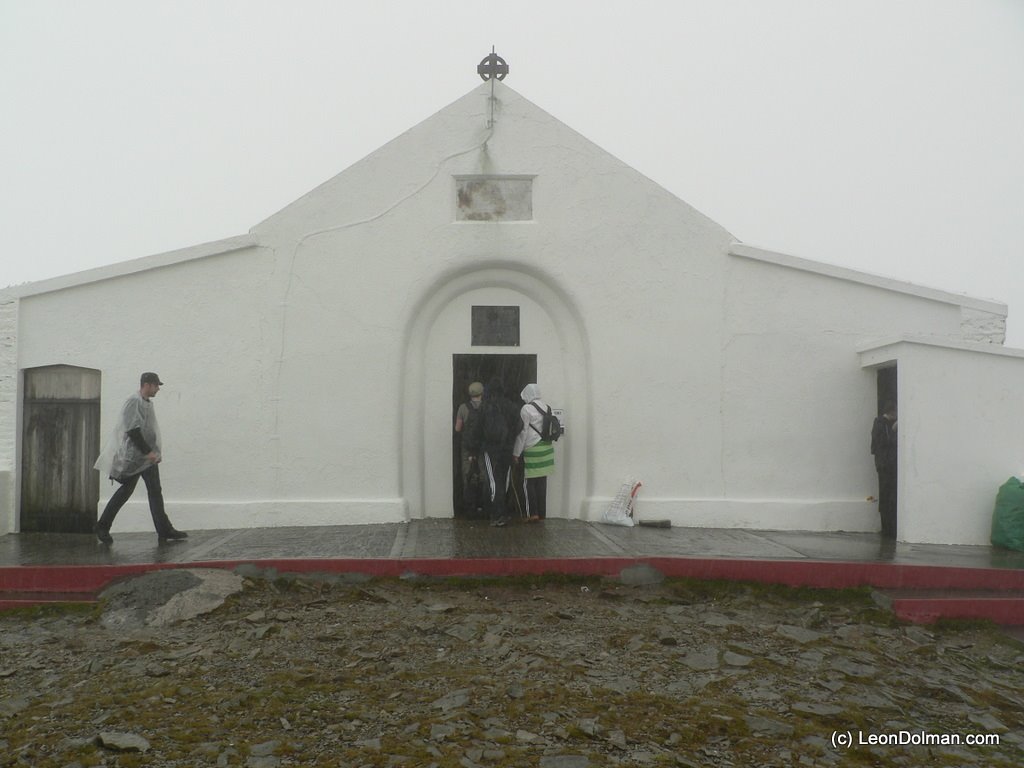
x=494 y=423
x=469 y=422
x=550 y=427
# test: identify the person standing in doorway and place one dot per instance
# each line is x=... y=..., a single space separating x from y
x=883 y=447
x=536 y=454
x=134 y=452
x=491 y=442
x=465 y=423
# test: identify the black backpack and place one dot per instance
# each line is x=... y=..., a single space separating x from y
x=470 y=423
x=550 y=427
x=494 y=423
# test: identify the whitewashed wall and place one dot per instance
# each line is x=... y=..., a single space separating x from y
x=8 y=410
x=623 y=279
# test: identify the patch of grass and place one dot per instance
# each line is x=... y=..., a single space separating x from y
x=527 y=581
x=985 y=626
x=53 y=610
x=720 y=589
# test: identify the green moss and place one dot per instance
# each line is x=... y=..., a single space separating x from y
x=90 y=610
x=754 y=592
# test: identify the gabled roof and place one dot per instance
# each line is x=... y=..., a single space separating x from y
x=507 y=126
x=131 y=267
x=745 y=251
x=455 y=130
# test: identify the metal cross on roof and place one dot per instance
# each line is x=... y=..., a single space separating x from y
x=493 y=67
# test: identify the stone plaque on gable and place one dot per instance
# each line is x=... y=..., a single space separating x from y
x=480 y=198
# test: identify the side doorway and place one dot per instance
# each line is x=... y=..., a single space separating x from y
x=60 y=490
x=888 y=480
x=515 y=372
x=887 y=387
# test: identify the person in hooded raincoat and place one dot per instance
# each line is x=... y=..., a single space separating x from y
x=133 y=452
x=537 y=455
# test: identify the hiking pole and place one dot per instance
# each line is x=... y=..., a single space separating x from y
x=515 y=488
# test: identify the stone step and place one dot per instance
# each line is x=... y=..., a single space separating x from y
x=925 y=606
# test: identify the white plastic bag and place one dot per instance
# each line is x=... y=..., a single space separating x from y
x=620 y=510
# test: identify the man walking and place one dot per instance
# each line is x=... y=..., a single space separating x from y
x=134 y=452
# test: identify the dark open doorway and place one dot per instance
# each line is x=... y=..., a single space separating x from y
x=887 y=390
x=515 y=371
x=884 y=445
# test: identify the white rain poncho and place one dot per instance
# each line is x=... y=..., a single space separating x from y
x=121 y=458
x=527 y=437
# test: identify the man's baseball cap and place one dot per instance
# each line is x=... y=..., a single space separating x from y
x=150 y=378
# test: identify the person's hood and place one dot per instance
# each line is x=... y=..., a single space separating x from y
x=530 y=393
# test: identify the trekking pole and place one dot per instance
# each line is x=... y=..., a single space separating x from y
x=515 y=488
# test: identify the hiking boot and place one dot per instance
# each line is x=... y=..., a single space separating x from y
x=173 y=535
x=103 y=534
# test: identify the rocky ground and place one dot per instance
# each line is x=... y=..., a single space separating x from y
x=544 y=672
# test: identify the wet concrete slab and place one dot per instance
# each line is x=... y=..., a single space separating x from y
x=445 y=538
x=935 y=580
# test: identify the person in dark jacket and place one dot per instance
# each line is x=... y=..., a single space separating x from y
x=491 y=442
x=883 y=447
x=465 y=423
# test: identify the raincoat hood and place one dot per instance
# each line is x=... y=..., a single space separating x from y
x=530 y=393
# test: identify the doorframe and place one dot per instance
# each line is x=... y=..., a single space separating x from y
x=460 y=395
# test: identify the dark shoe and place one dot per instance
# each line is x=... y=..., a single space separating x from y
x=103 y=534
x=173 y=535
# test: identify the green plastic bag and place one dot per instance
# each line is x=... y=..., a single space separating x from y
x=1008 y=516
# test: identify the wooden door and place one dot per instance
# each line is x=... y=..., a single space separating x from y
x=60 y=442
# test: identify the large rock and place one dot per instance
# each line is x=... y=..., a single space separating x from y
x=164 y=597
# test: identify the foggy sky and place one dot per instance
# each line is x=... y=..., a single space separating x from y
x=884 y=136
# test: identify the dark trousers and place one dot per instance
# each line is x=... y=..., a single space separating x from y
x=887 y=502
x=472 y=488
x=151 y=477
x=497 y=466
x=535 y=489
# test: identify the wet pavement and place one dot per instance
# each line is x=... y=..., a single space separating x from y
x=439 y=538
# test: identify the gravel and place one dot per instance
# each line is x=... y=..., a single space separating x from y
x=552 y=672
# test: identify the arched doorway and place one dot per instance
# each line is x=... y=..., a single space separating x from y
x=439 y=330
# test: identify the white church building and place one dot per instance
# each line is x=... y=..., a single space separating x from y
x=313 y=365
